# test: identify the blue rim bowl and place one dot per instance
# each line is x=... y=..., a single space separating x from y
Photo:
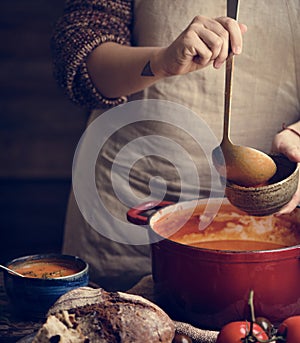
x=31 y=297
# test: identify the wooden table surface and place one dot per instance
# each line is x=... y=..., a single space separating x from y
x=12 y=326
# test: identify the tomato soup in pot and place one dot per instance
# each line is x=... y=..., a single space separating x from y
x=229 y=229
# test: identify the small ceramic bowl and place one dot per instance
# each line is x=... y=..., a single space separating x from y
x=47 y=277
x=268 y=199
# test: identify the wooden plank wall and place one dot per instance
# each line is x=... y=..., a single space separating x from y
x=39 y=130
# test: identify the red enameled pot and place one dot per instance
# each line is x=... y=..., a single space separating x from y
x=209 y=288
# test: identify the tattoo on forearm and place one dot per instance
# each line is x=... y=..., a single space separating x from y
x=147 y=70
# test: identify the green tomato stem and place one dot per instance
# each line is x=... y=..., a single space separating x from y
x=250 y=336
x=251 y=304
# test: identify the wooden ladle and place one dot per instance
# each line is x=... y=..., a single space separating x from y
x=242 y=165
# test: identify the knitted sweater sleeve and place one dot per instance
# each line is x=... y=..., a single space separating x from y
x=84 y=25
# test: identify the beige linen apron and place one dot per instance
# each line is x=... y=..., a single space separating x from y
x=265 y=94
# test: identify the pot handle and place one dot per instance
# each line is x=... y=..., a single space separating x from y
x=137 y=215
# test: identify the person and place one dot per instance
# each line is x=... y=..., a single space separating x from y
x=115 y=52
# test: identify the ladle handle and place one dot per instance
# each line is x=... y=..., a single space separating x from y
x=232 y=12
x=228 y=96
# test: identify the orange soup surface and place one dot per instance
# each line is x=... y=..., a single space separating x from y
x=229 y=229
x=45 y=270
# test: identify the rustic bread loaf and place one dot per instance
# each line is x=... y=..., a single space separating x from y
x=87 y=315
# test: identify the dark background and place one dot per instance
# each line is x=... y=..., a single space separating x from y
x=39 y=131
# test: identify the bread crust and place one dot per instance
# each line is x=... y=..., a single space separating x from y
x=95 y=315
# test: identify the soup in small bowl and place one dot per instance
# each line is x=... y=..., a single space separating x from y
x=46 y=268
x=45 y=278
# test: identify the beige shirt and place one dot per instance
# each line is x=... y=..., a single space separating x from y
x=265 y=94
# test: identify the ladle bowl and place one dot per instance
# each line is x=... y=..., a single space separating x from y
x=243 y=165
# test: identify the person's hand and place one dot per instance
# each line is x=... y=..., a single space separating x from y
x=287 y=142
x=203 y=42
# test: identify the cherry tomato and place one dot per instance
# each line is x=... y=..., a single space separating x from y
x=290 y=330
x=236 y=332
x=266 y=325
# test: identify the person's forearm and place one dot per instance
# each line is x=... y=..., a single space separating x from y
x=118 y=70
